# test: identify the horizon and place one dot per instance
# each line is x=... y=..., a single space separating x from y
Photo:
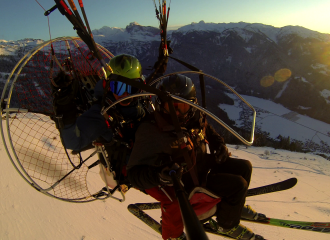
x=170 y=28
x=311 y=15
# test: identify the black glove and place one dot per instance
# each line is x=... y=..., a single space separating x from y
x=64 y=91
x=222 y=154
x=170 y=50
x=165 y=177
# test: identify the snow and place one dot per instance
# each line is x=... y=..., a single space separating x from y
x=303 y=79
x=39 y=89
x=244 y=34
x=248 y=49
x=7 y=51
x=326 y=94
x=136 y=32
x=270 y=31
x=323 y=67
x=229 y=58
x=285 y=85
x=10 y=47
x=302 y=32
x=304 y=108
x=28 y=214
x=278 y=120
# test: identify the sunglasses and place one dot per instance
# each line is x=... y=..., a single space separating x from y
x=181 y=107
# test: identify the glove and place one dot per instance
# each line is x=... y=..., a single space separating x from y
x=165 y=177
x=221 y=155
x=170 y=50
x=64 y=92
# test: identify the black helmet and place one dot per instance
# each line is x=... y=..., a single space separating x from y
x=180 y=86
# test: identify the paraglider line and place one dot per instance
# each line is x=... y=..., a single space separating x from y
x=50 y=35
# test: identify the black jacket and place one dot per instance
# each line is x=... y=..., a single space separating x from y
x=156 y=145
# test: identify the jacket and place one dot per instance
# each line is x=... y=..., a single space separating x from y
x=156 y=145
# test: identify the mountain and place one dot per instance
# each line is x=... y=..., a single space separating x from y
x=11 y=52
x=288 y=65
x=18 y=48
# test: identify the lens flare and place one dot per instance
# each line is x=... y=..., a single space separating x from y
x=267 y=81
x=282 y=75
x=325 y=56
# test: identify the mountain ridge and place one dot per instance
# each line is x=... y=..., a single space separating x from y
x=247 y=56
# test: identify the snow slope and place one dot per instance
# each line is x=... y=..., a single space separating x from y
x=278 y=120
x=11 y=47
x=27 y=214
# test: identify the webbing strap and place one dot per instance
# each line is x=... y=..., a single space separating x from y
x=193 y=169
x=182 y=143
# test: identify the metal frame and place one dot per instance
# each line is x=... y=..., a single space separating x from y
x=242 y=139
x=12 y=153
x=5 y=102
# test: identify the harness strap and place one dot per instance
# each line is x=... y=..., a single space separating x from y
x=193 y=169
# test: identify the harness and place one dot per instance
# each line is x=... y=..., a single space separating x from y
x=185 y=147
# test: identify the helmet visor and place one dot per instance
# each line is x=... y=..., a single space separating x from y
x=180 y=107
x=119 y=88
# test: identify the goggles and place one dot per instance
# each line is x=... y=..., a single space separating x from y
x=119 y=88
x=181 y=107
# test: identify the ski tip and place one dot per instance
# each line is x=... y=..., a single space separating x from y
x=293 y=180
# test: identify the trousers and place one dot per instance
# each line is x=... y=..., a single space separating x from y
x=230 y=180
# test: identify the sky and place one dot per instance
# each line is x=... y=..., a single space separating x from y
x=25 y=19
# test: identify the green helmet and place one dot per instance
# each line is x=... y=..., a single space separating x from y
x=126 y=65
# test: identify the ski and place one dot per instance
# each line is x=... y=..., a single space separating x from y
x=137 y=209
x=323 y=227
x=209 y=229
x=275 y=187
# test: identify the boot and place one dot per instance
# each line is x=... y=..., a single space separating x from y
x=250 y=214
x=182 y=237
x=239 y=232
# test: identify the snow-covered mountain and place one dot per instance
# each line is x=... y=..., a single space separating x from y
x=11 y=52
x=247 y=56
x=287 y=65
x=135 y=31
x=18 y=47
x=273 y=33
